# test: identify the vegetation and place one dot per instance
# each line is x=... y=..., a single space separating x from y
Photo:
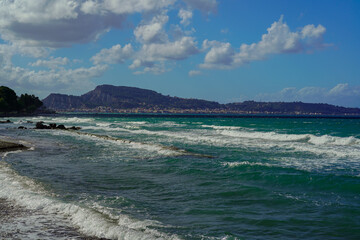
x=10 y=103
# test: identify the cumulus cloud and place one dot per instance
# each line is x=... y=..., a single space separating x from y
x=70 y=80
x=123 y=6
x=152 y=31
x=115 y=54
x=185 y=16
x=52 y=63
x=157 y=47
x=278 y=40
x=203 y=5
x=171 y=50
x=59 y=23
x=342 y=94
x=194 y=73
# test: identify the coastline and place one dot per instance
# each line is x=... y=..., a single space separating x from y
x=10 y=146
x=13 y=224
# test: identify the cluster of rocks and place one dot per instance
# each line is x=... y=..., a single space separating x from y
x=6 y=121
x=41 y=125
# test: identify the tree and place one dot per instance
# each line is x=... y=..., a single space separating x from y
x=8 y=100
x=29 y=103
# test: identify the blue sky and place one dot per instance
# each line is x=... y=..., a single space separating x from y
x=226 y=51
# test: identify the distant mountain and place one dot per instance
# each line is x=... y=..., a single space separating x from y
x=113 y=97
x=291 y=108
x=108 y=98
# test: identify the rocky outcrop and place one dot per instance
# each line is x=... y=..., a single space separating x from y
x=6 y=121
x=9 y=146
x=41 y=125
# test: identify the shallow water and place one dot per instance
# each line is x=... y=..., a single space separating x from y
x=189 y=178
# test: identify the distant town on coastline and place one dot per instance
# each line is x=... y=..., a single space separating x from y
x=120 y=99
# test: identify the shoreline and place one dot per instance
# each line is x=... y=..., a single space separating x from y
x=6 y=146
x=16 y=222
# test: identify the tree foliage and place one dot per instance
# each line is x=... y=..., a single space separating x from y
x=29 y=103
x=9 y=102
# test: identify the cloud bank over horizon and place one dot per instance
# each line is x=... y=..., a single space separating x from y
x=342 y=94
x=154 y=37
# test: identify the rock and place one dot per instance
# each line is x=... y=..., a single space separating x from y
x=29 y=122
x=9 y=146
x=74 y=128
x=7 y=121
x=22 y=127
x=62 y=127
x=41 y=125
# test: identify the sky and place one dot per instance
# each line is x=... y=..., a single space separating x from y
x=219 y=50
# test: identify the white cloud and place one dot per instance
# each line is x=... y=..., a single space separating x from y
x=70 y=80
x=152 y=32
x=342 y=94
x=278 y=40
x=115 y=54
x=203 y=5
x=194 y=73
x=159 y=52
x=124 y=6
x=52 y=63
x=185 y=16
x=59 y=23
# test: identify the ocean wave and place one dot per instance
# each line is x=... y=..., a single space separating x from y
x=90 y=221
x=281 y=137
x=221 y=127
x=157 y=149
x=331 y=146
x=245 y=163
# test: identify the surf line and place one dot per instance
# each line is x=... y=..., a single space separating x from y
x=171 y=148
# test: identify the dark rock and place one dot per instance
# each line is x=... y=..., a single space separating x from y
x=41 y=125
x=29 y=122
x=7 y=121
x=74 y=128
x=62 y=127
x=22 y=127
x=9 y=146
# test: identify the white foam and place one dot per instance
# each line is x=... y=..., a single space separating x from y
x=29 y=194
x=331 y=140
x=236 y=164
x=154 y=148
x=221 y=127
x=332 y=146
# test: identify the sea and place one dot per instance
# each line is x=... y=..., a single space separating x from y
x=183 y=177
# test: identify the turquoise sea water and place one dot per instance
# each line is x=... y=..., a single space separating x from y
x=188 y=178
